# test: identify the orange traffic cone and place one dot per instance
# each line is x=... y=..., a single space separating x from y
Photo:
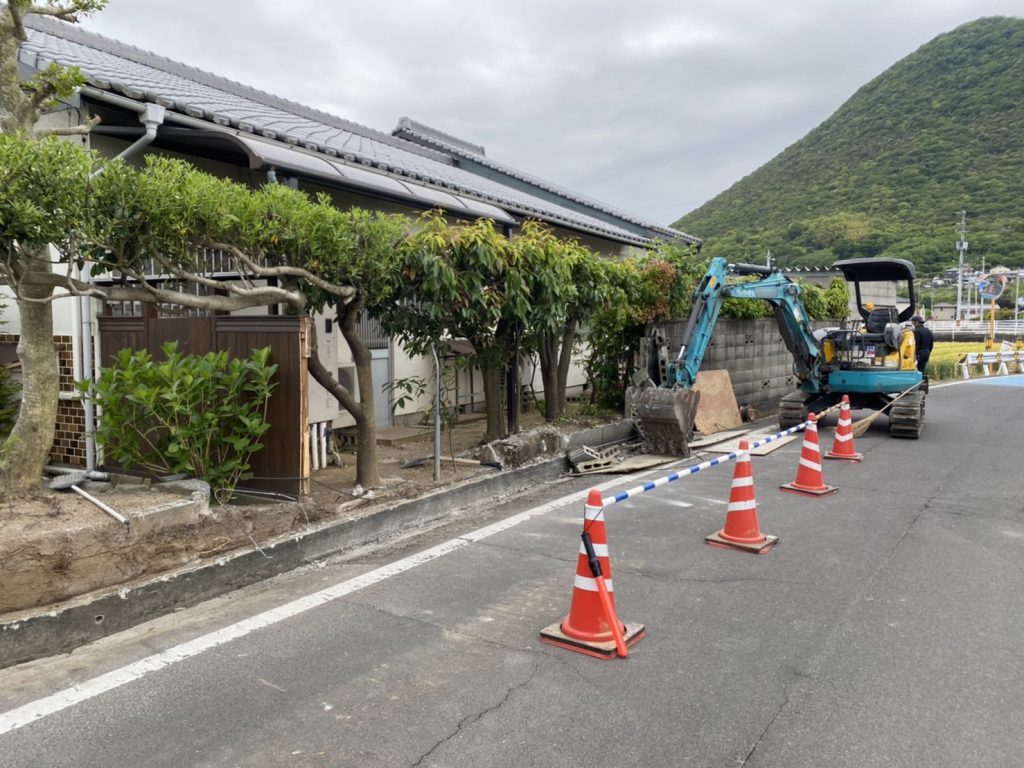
x=808 y=472
x=741 y=529
x=592 y=626
x=842 y=443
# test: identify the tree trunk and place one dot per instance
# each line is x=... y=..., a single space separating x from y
x=25 y=451
x=362 y=410
x=494 y=401
x=564 y=361
x=366 y=423
x=548 y=352
x=555 y=359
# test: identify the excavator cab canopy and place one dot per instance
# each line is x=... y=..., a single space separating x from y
x=857 y=271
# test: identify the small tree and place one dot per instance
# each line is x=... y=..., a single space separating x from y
x=357 y=249
x=125 y=222
x=320 y=257
x=648 y=288
x=43 y=206
x=460 y=282
x=566 y=283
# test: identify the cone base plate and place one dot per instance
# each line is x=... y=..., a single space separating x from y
x=760 y=548
x=555 y=636
x=845 y=456
x=823 y=491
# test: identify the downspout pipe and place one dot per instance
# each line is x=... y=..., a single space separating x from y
x=437 y=414
x=152 y=116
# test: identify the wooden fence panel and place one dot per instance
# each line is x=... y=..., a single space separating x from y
x=283 y=466
x=193 y=334
x=117 y=333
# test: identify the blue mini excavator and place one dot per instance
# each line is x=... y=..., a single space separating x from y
x=872 y=361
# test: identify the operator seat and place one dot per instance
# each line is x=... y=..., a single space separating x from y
x=879 y=317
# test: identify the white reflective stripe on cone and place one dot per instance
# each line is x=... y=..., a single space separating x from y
x=590 y=585
x=601 y=550
x=737 y=506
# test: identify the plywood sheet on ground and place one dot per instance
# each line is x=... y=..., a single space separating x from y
x=731 y=446
x=718 y=437
x=717 y=410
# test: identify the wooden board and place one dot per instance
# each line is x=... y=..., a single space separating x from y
x=731 y=446
x=717 y=410
x=718 y=437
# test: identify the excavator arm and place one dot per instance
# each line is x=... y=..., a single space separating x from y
x=666 y=413
x=774 y=287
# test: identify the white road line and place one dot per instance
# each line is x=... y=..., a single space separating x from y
x=971 y=381
x=69 y=697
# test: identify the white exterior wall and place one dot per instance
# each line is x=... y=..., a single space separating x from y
x=405 y=367
x=9 y=321
x=65 y=314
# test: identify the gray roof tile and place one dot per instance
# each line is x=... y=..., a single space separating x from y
x=113 y=66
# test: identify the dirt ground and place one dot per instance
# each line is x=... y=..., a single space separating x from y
x=59 y=545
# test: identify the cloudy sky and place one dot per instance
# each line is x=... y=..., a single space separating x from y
x=654 y=106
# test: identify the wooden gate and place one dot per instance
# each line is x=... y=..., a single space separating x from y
x=283 y=466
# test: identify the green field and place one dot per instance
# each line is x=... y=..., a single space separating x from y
x=945 y=357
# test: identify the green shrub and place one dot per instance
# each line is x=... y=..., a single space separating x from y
x=203 y=416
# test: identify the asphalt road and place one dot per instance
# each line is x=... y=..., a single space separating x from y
x=885 y=629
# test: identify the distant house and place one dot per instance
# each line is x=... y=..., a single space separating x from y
x=942 y=311
x=255 y=138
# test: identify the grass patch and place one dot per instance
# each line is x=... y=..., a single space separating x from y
x=945 y=358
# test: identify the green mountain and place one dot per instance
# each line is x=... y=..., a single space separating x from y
x=939 y=132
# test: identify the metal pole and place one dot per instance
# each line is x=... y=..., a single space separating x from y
x=437 y=414
x=1016 y=301
x=961 y=247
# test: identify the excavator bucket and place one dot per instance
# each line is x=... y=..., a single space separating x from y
x=666 y=419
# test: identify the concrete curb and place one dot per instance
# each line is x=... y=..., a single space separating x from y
x=62 y=628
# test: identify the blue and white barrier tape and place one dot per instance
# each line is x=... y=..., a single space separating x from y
x=698 y=467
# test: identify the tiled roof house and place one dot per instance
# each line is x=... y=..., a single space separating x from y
x=150 y=104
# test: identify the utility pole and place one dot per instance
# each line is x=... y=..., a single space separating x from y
x=1016 y=309
x=961 y=247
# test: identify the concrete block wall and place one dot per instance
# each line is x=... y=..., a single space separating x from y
x=752 y=351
